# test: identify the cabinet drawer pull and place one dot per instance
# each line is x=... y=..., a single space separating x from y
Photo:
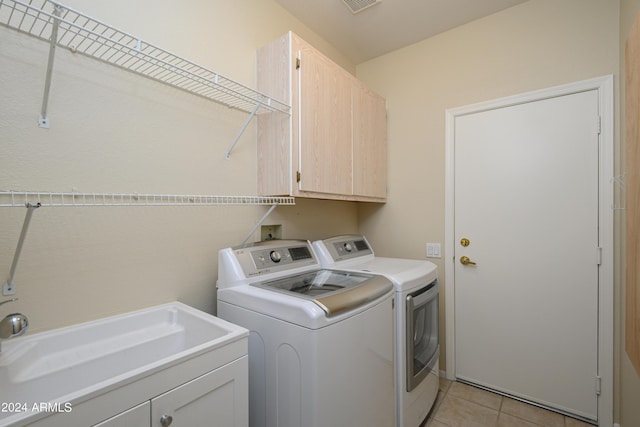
x=166 y=420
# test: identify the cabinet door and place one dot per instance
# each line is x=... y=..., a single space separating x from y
x=369 y=143
x=219 y=398
x=138 y=416
x=275 y=71
x=324 y=101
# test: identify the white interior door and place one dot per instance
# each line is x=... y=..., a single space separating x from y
x=526 y=198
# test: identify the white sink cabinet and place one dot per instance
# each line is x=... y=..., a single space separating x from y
x=136 y=416
x=217 y=397
x=182 y=365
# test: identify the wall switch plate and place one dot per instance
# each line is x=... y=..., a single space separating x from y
x=433 y=250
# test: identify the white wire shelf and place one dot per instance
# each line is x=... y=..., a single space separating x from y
x=10 y=198
x=51 y=21
x=36 y=199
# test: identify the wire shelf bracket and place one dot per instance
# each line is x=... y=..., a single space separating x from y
x=65 y=27
x=43 y=120
x=9 y=287
x=242 y=129
x=258 y=224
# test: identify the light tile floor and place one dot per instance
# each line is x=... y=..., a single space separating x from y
x=461 y=405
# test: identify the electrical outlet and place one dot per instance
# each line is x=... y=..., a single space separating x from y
x=271 y=232
x=433 y=250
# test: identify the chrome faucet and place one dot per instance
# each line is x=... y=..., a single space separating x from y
x=13 y=325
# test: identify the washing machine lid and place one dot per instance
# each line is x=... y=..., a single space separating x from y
x=406 y=274
x=333 y=291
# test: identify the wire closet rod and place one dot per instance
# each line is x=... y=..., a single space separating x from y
x=10 y=198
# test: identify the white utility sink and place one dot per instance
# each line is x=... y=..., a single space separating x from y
x=77 y=362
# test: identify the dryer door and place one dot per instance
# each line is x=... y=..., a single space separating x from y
x=422 y=333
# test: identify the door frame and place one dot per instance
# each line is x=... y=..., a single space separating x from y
x=604 y=86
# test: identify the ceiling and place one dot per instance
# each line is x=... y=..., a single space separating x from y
x=387 y=25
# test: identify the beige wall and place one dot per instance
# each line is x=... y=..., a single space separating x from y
x=112 y=131
x=629 y=385
x=538 y=44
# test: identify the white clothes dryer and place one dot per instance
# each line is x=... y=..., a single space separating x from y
x=321 y=343
x=416 y=337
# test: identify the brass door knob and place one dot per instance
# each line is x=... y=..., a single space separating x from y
x=464 y=260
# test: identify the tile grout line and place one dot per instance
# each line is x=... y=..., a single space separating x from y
x=444 y=394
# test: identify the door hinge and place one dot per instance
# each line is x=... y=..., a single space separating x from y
x=297 y=176
x=297 y=63
x=599 y=125
x=598 y=385
x=599 y=255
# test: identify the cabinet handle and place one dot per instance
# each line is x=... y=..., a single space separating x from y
x=166 y=420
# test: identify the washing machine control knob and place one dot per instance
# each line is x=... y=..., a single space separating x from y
x=348 y=247
x=275 y=256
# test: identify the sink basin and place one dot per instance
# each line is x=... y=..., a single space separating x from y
x=68 y=363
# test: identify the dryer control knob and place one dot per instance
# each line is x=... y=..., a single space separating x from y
x=348 y=247
x=275 y=256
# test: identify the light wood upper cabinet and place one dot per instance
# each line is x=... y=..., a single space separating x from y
x=324 y=108
x=369 y=143
x=333 y=145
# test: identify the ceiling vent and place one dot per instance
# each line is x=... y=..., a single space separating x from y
x=356 y=6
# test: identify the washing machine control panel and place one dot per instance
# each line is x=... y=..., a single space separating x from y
x=352 y=246
x=273 y=256
x=347 y=247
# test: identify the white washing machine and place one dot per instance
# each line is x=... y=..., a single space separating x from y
x=321 y=343
x=417 y=346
